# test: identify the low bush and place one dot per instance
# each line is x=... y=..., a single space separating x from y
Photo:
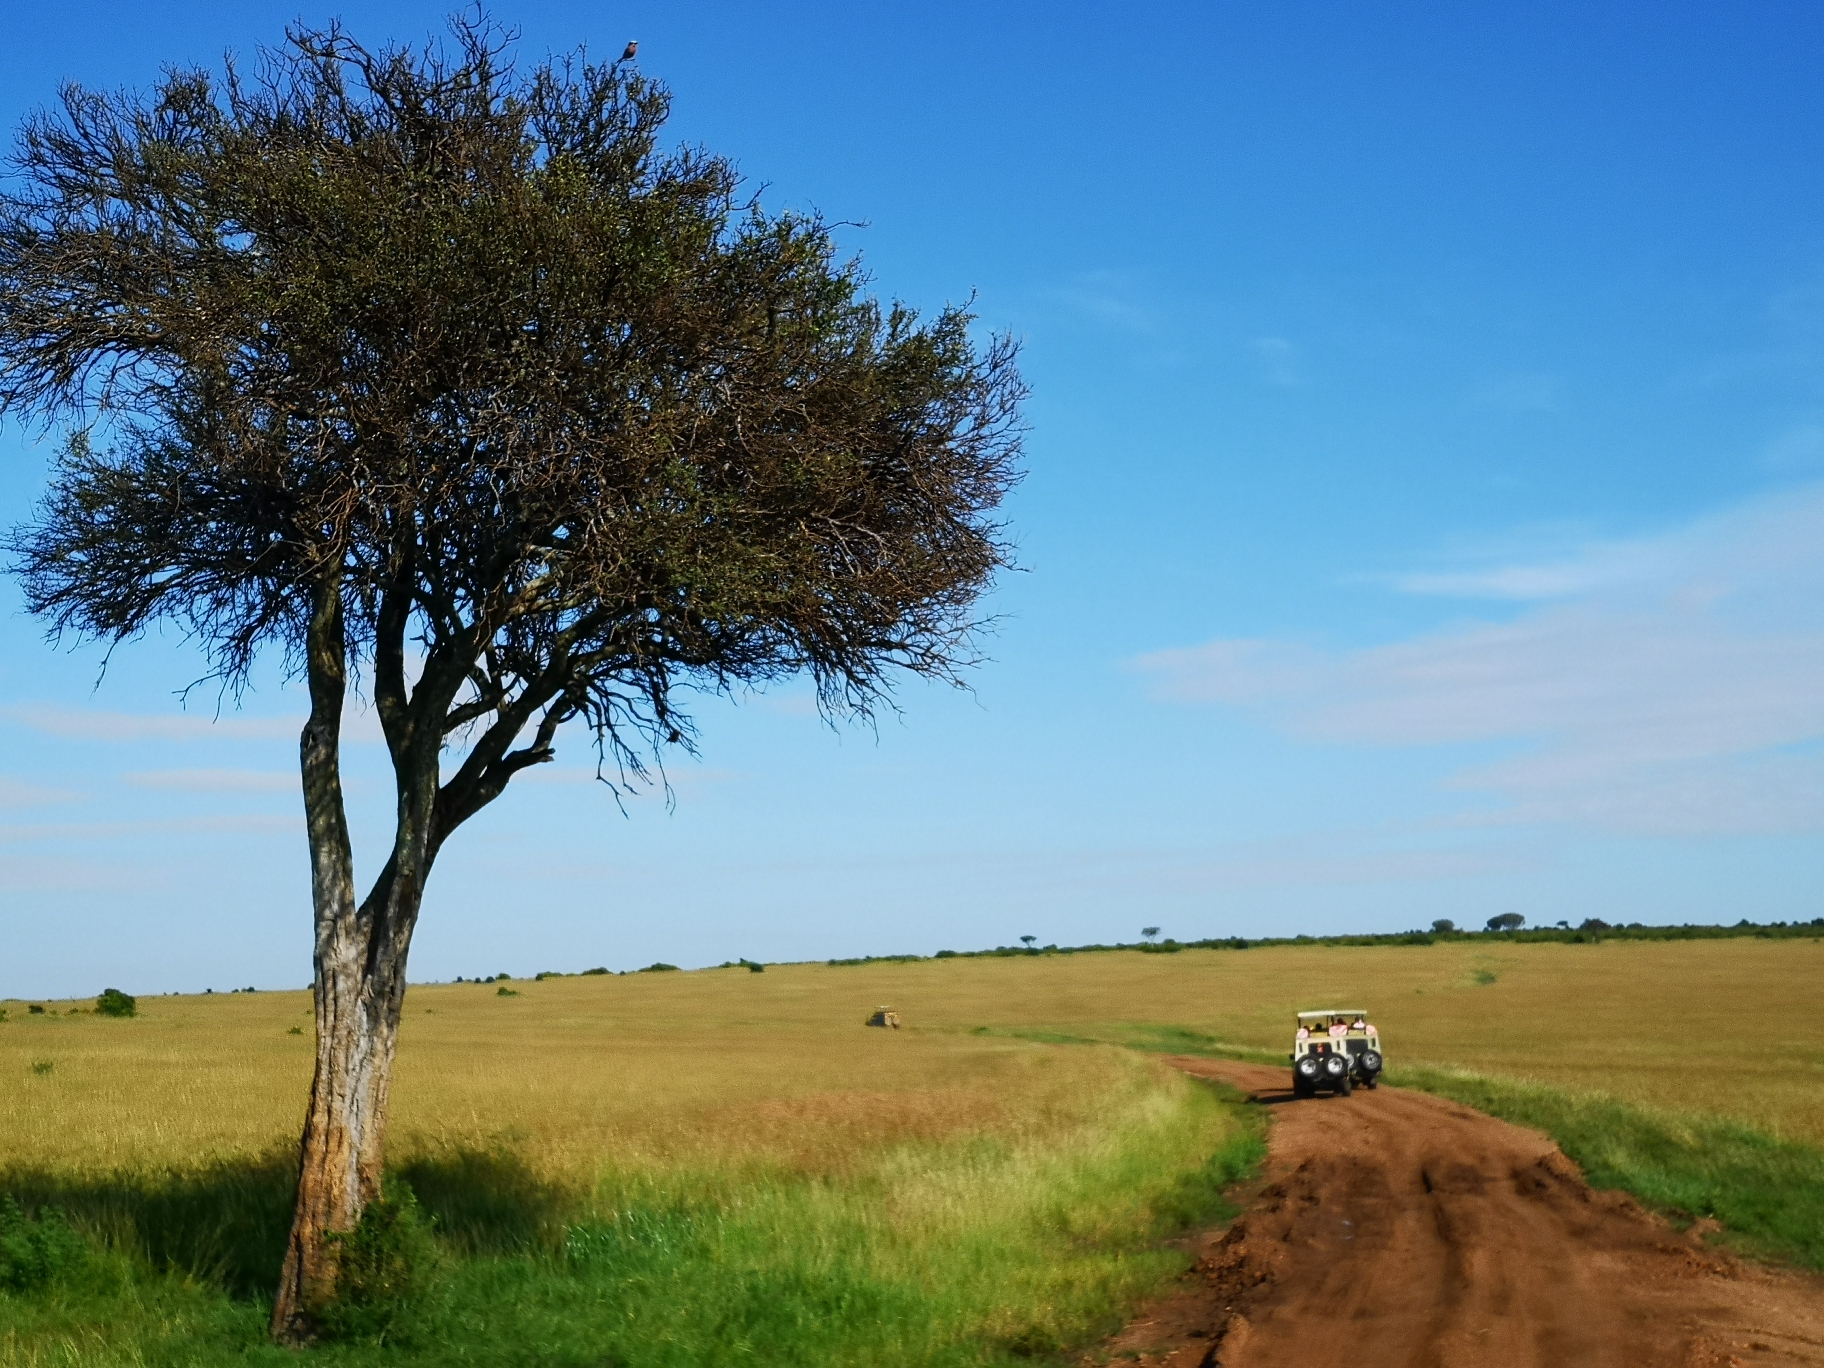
x=35 y=1251
x=386 y=1265
x=114 y=1003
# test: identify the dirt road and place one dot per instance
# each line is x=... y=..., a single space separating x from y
x=1397 y=1228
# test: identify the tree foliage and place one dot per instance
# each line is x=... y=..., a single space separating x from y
x=552 y=410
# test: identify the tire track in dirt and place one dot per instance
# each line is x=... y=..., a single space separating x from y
x=1401 y=1230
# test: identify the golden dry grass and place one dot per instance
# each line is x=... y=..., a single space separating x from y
x=673 y=1069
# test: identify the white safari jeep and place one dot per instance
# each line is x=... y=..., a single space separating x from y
x=1335 y=1049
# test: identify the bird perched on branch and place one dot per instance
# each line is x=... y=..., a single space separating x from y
x=632 y=48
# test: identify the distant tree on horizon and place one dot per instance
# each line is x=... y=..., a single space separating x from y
x=419 y=367
x=1150 y=932
x=1029 y=941
x=1443 y=925
x=1507 y=921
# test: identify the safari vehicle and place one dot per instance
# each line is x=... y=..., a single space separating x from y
x=1335 y=1049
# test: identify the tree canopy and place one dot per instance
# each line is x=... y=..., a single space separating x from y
x=551 y=407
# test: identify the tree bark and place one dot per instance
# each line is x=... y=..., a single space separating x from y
x=360 y=959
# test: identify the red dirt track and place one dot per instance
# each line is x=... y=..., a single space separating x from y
x=1400 y=1229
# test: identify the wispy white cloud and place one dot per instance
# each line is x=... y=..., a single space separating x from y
x=1106 y=298
x=1672 y=683
x=169 y=826
x=93 y=724
x=1279 y=359
x=1796 y=448
x=214 y=780
x=360 y=724
x=788 y=704
x=1324 y=868
x=22 y=793
x=1525 y=393
x=30 y=874
x=693 y=776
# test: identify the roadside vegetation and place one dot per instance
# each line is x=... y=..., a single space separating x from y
x=659 y=1169
x=972 y=1251
x=1767 y=1194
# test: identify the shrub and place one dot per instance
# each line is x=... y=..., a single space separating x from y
x=504 y=991
x=385 y=1266
x=33 y=1252
x=36 y=1009
x=41 y=1067
x=597 y=970
x=114 y=1003
x=1443 y=926
x=660 y=968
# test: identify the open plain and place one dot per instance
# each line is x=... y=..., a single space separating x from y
x=994 y=1183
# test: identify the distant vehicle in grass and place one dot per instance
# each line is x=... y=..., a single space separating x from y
x=1335 y=1049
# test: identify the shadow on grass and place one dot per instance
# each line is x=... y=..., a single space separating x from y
x=225 y=1222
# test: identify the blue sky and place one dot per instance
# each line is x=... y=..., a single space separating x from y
x=1425 y=514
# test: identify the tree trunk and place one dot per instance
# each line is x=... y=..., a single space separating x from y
x=360 y=962
x=360 y=991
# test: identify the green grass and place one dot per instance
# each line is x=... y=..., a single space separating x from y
x=1766 y=1192
x=978 y=1250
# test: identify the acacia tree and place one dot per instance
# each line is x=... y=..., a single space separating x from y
x=430 y=373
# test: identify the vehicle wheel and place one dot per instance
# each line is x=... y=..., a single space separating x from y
x=1374 y=1083
x=1345 y=1087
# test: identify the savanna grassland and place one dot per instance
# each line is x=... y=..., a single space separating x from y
x=725 y=1166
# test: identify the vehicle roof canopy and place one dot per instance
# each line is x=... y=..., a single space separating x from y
x=1333 y=1012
